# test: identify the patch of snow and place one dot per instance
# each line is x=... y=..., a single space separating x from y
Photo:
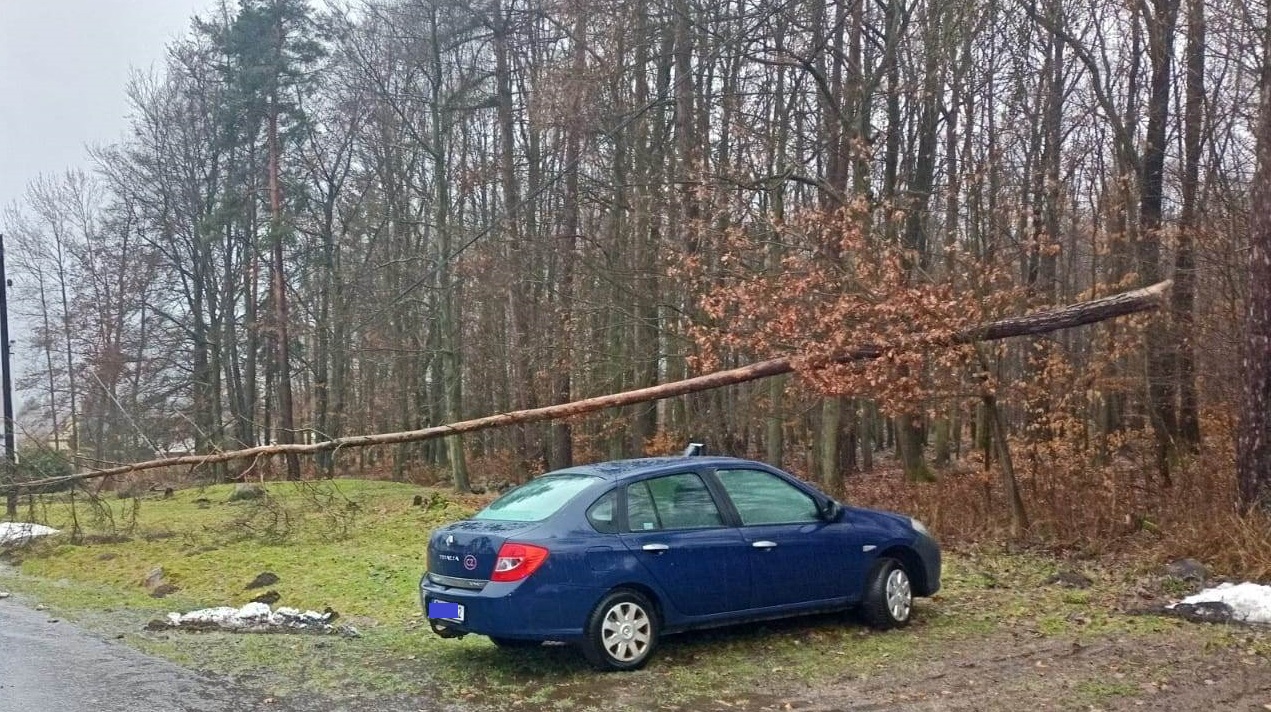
x=1249 y=602
x=258 y=617
x=22 y=532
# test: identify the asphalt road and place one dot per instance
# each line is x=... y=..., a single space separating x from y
x=56 y=667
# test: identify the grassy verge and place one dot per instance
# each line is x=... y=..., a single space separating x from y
x=359 y=548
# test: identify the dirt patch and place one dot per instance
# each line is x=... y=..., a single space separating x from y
x=1181 y=670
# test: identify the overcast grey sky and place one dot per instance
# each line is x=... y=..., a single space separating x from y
x=63 y=68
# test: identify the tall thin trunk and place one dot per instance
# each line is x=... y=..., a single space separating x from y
x=448 y=324
x=73 y=389
x=1158 y=342
x=47 y=343
x=1253 y=434
x=562 y=433
x=1182 y=306
x=1010 y=485
x=286 y=431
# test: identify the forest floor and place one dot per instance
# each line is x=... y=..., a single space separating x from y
x=1010 y=630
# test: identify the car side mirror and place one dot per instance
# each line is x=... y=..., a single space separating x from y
x=829 y=510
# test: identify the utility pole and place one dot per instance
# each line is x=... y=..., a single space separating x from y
x=6 y=385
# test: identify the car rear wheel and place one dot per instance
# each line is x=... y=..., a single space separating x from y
x=622 y=631
x=889 y=597
x=514 y=643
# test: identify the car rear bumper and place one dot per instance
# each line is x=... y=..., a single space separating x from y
x=523 y=610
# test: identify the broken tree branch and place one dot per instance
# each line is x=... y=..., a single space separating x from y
x=1066 y=317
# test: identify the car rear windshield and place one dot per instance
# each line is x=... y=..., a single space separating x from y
x=536 y=500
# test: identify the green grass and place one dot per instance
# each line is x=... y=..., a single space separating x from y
x=359 y=547
x=1095 y=692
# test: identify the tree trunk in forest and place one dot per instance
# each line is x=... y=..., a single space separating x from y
x=562 y=451
x=869 y=423
x=774 y=435
x=909 y=448
x=451 y=358
x=73 y=393
x=520 y=380
x=1159 y=342
x=286 y=430
x=848 y=463
x=1079 y=314
x=644 y=337
x=1183 y=301
x=1253 y=436
x=984 y=436
x=831 y=420
x=1010 y=485
x=940 y=445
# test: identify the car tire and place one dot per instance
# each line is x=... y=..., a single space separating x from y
x=622 y=631
x=515 y=643
x=888 y=601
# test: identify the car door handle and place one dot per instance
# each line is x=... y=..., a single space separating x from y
x=765 y=545
x=655 y=548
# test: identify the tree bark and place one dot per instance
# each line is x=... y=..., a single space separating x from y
x=1161 y=355
x=1010 y=485
x=1253 y=435
x=1183 y=298
x=450 y=332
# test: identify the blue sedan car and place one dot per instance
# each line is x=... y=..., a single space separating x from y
x=614 y=555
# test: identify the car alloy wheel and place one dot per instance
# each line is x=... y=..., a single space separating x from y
x=622 y=632
x=888 y=601
x=899 y=595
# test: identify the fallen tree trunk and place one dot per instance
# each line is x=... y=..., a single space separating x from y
x=1066 y=317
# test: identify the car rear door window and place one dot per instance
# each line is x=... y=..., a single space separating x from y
x=671 y=502
x=763 y=498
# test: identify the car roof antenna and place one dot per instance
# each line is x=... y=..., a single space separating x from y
x=694 y=450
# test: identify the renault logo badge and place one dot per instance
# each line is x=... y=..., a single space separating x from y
x=450 y=540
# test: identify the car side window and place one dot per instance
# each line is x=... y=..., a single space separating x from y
x=641 y=515
x=602 y=513
x=763 y=498
x=671 y=502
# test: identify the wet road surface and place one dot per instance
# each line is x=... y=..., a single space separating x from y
x=56 y=667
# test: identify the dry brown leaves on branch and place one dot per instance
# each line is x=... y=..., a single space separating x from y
x=817 y=287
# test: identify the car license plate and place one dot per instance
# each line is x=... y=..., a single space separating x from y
x=446 y=611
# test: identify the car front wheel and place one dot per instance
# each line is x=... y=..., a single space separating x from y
x=622 y=632
x=889 y=597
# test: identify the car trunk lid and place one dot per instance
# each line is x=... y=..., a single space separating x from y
x=467 y=550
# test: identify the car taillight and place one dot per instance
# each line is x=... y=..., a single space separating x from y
x=517 y=561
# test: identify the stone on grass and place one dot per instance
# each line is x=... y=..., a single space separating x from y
x=267 y=578
x=163 y=590
x=245 y=491
x=1070 y=579
x=1204 y=612
x=154 y=578
x=268 y=598
x=1187 y=570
